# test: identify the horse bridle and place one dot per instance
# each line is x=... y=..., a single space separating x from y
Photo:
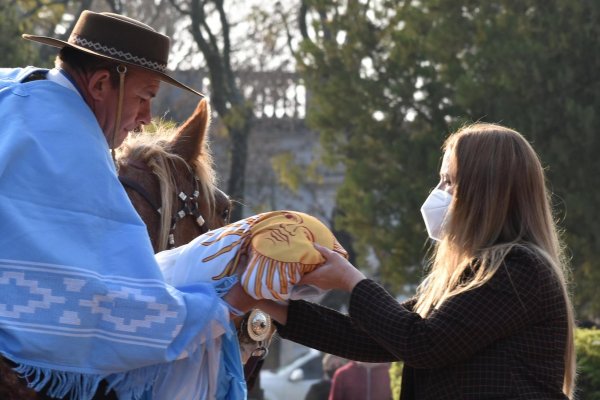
x=190 y=205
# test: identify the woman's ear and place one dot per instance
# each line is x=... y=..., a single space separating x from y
x=99 y=85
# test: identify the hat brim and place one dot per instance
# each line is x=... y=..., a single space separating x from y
x=61 y=43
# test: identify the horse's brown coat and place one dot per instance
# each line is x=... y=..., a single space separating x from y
x=190 y=143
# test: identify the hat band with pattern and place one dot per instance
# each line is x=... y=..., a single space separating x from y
x=116 y=53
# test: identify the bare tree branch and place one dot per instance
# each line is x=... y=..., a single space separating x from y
x=226 y=41
x=116 y=6
x=302 y=15
x=179 y=9
x=157 y=11
x=288 y=33
x=212 y=39
x=225 y=94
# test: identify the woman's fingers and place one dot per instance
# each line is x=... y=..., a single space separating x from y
x=335 y=273
x=312 y=278
x=325 y=252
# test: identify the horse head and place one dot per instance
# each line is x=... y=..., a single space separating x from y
x=170 y=180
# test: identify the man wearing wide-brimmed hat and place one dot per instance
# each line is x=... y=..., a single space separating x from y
x=82 y=299
x=110 y=57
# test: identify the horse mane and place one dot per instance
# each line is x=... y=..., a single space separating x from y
x=152 y=148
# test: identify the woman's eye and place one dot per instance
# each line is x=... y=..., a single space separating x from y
x=445 y=180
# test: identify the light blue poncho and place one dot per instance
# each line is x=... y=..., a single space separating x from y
x=81 y=296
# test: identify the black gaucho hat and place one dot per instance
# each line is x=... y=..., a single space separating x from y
x=121 y=39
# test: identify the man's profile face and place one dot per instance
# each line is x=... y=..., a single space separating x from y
x=140 y=88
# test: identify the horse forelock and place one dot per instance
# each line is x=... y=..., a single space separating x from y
x=144 y=147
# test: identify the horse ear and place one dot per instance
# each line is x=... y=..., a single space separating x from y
x=190 y=140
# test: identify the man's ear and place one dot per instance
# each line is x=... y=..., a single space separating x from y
x=99 y=85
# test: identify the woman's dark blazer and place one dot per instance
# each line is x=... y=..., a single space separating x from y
x=503 y=340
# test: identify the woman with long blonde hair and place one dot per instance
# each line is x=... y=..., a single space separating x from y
x=493 y=318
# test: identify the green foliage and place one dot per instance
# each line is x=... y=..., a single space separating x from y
x=360 y=99
x=34 y=17
x=389 y=81
x=396 y=379
x=587 y=342
x=291 y=174
x=12 y=46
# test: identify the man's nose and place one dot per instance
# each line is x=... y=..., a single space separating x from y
x=145 y=115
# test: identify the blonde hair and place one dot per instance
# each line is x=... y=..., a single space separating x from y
x=500 y=202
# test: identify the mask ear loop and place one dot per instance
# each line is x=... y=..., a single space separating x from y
x=122 y=70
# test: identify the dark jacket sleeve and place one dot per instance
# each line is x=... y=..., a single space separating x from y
x=381 y=329
x=331 y=332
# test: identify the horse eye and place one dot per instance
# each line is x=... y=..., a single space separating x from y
x=225 y=215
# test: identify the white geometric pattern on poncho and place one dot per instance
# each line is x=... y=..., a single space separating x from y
x=84 y=296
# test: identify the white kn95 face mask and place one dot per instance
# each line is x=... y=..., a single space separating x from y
x=434 y=211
